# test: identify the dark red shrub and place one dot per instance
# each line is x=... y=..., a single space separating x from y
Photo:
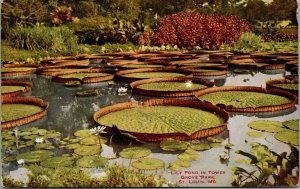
x=194 y=29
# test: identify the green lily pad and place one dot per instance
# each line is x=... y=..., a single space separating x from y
x=52 y=134
x=39 y=132
x=216 y=145
x=200 y=147
x=93 y=140
x=35 y=156
x=73 y=146
x=47 y=146
x=91 y=162
x=148 y=164
x=292 y=124
x=12 y=112
x=134 y=152
x=228 y=146
x=24 y=133
x=188 y=157
x=266 y=125
x=214 y=139
x=245 y=161
x=55 y=162
x=172 y=86
x=10 y=158
x=173 y=145
x=82 y=133
x=7 y=144
x=87 y=150
x=30 y=137
x=288 y=137
x=176 y=166
x=255 y=134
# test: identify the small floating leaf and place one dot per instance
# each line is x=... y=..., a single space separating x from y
x=213 y=139
x=188 y=157
x=292 y=124
x=200 y=147
x=47 y=146
x=30 y=137
x=35 y=156
x=246 y=161
x=175 y=166
x=73 y=146
x=52 y=134
x=216 y=145
x=91 y=162
x=288 y=137
x=92 y=140
x=39 y=132
x=134 y=152
x=10 y=158
x=148 y=164
x=255 y=134
x=173 y=145
x=24 y=133
x=266 y=125
x=87 y=150
x=82 y=133
x=55 y=162
x=228 y=146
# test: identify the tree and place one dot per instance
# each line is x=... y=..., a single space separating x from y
x=282 y=10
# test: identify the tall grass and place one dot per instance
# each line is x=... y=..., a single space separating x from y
x=39 y=37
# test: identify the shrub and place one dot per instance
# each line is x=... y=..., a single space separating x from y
x=194 y=29
x=55 y=39
x=280 y=37
x=247 y=42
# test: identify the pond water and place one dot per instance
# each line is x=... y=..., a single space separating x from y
x=68 y=114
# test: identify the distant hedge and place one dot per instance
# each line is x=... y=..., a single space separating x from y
x=193 y=29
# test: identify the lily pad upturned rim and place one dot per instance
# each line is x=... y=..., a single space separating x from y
x=152 y=137
x=25 y=100
x=272 y=108
x=217 y=71
x=120 y=75
x=253 y=64
x=134 y=86
x=270 y=84
x=17 y=73
x=27 y=85
x=58 y=78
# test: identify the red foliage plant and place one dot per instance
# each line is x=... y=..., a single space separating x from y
x=188 y=30
x=281 y=37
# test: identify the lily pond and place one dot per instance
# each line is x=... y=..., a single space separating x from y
x=63 y=138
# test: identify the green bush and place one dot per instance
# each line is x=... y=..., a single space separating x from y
x=38 y=37
x=247 y=42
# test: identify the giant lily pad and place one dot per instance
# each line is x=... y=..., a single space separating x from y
x=55 y=162
x=172 y=86
x=292 y=124
x=173 y=145
x=134 y=152
x=162 y=119
x=17 y=69
x=83 y=75
x=87 y=150
x=11 y=88
x=12 y=112
x=92 y=140
x=266 y=125
x=287 y=86
x=288 y=137
x=144 y=75
x=244 y=99
x=35 y=156
x=148 y=164
x=91 y=162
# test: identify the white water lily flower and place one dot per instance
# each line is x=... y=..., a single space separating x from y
x=97 y=130
x=224 y=156
x=39 y=140
x=122 y=90
x=156 y=16
x=188 y=84
x=21 y=161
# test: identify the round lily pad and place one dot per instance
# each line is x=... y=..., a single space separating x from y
x=216 y=145
x=91 y=162
x=148 y=164
x=47 y=146
x=266 y=125
x=87 y=150
x=10 y=158
x=173 y=145
x=288 y=137
x=52 y=134
x=73 y=146
x=12 y=112
x=30 y=137
x=7 y=144
x=134 y=152
x=292 y=124
x=72 y=83
x=188 y=157
x=39 y=132
x=200 y=147
x=175 y=166
x=93 y=140
x=255 y=134
x=82 y=133
x=55 y=162
x=25 y=133
x=35 y=156
x=172 y=86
